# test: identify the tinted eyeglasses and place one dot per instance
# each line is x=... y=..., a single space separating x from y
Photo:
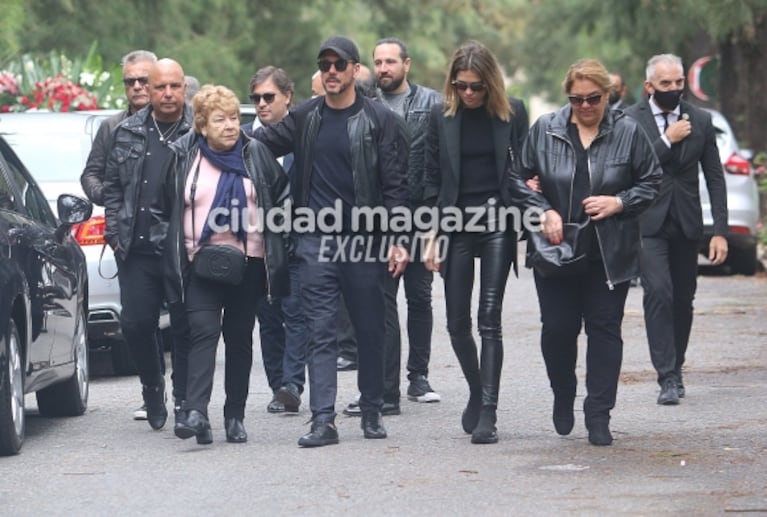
x=577 y=100
x=130 y=81
x=460 y=85
x=340 y=64
x=268 y=97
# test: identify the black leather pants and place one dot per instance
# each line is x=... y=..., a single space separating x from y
x=495 y=252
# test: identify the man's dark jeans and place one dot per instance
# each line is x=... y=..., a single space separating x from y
x=282 y=329
x=417 y=280
x=361 y=283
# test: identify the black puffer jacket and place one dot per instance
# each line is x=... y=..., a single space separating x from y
x=121 y=183
x=621 y=163
x=272 y=191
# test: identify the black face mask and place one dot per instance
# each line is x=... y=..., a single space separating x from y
x=614 y=97
x=668 y=100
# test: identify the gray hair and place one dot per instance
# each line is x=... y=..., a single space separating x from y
x=669 y=59
x=137 y=56
x=192 y=87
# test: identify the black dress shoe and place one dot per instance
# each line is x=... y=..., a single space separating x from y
x=290 y=397
x=669 y=396
x=275 y=406
x=321 y=434
x=344 y=365
x=194 y=423
x=372 y=425
x=599 y=434
x=353 y=409
x=470 y=416
x=235 y=430
x=563 y=416
x=154 y=400
x=485 y=431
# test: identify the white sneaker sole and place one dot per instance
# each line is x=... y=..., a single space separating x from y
x=428 y=397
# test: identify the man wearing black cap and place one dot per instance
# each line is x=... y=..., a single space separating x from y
x=349 y=152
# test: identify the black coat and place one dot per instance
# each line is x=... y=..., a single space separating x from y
x=621 y=163
x=272 y=191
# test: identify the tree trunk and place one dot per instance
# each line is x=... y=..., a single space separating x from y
x=743 y=66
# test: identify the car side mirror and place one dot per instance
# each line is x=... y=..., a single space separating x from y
x=73 y=209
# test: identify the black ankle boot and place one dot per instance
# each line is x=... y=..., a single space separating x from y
x=485 y=432
x=563 y=416
x=599 y=433
x=194 y=423
x=235 y=430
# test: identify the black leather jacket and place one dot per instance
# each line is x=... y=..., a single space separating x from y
x=121 y=182
x=92 y=178
x=417 y=109
x=379 y=150
x=272 y=190
x=622 y=163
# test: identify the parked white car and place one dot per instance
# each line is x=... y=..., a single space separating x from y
x=55 y=146
x=742 y=201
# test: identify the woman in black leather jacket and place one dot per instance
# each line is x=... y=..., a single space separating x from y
x=472 y=138
x=592 y=165
x=218 y=187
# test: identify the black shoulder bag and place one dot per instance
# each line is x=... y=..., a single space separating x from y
x=217 y=262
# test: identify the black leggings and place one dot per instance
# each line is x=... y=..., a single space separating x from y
x=495 y=251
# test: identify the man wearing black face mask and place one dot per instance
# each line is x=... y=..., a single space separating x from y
x=672 y=228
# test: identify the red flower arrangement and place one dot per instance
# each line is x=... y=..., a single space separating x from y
x=59 y=94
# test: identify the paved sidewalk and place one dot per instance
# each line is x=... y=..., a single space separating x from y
x=707 y=456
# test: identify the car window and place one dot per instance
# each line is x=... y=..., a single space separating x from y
x=32 y=198
x=52 y=156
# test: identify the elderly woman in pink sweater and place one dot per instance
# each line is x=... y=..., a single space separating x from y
x=218 y=187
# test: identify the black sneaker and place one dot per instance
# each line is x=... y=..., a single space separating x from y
x=420 y=390
x=372 y=425
x=321 y=434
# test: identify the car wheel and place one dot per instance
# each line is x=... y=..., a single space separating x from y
x=122 y=362
x=70 y=398
x=12 y=423
x=743 y=261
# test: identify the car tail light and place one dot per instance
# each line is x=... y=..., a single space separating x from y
x=737 y=165
x=744 y=230
x=91 y=231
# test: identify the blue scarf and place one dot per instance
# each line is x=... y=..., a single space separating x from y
x=229 y=186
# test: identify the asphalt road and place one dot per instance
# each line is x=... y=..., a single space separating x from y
x=707 y=456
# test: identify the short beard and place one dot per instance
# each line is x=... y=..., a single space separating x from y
x=396 y=83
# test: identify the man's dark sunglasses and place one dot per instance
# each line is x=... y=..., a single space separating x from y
x=268 y=97
x=340 y=64
x=577 y=100
x=460 y=85
x=130 y=81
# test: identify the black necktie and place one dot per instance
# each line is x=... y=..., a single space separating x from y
x=665 y=122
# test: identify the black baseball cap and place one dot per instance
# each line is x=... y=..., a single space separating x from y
x=344 y=47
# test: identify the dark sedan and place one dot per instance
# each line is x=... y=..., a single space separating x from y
x=43 y=303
